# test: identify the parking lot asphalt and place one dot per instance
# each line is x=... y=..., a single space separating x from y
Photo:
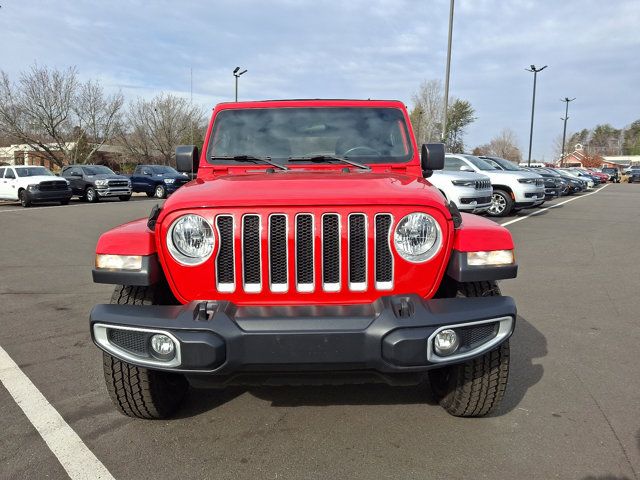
x=572 y=408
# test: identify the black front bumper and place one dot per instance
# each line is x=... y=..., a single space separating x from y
x=390 y=335
x=50 y=195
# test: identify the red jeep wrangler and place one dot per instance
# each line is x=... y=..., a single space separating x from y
x=309 y=249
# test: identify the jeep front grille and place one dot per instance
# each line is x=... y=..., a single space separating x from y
x=483 y=184
x=304 y=252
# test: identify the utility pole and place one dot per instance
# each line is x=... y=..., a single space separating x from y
x=446 y=80
x=535 y=71
x=237 y=75
x=564 y=130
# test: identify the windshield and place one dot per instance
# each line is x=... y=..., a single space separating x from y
x=504 y=164
x=480 y=163
x=161 y=169
x=33 y=172
x=98 y=170
x=373 y=135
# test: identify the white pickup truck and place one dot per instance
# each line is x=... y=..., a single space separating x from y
x=33 y=184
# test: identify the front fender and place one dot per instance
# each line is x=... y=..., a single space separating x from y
x=477 y=234
x=133 y=238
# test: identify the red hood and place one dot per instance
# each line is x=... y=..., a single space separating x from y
x=306 y=188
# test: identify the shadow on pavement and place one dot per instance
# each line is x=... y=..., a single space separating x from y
x=527 y=345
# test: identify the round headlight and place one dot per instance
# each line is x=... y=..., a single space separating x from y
x=190 y=239
x=417 y=237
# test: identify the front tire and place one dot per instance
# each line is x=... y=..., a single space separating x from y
x=476 y=387
x=25 y=198
x=136 y=391
x=501 y=204
x=91 y=195
x=160 y=191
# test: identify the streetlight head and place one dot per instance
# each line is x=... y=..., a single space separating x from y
x=242 y=72
x=533 y=67
x=235 y=70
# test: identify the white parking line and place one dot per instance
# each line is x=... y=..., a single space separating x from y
x=537 y=212
x=76 y=458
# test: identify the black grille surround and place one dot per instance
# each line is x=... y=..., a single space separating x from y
x=50 y=185
x=284 y=251
x=132 y=341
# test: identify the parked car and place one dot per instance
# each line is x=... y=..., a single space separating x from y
x=614 y=174
x=512 y=190
x=551 y=188
x=33 y=184
x=576 y=184
x=597 y=180
x=633 y=174
x=157 y=180
x=554 y=186
x=603 y=177
x=93 y=182
x=306 y=267
x=469 y=191
x=590 y=182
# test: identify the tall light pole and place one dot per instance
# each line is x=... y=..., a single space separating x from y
x=446 y=80
x=535 y=71
x=237 y=74
x=564 y=130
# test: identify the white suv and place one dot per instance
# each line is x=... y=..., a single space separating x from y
x=470 y=191
x=512 y=190
x=31 y=184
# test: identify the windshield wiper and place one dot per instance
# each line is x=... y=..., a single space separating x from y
x=250 y=158
x=329 y=158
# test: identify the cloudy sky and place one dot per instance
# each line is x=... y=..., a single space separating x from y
x=350 y=49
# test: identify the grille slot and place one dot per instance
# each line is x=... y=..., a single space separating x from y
x=304 y=252
x=331 y=252
x=226 y=259
x=251 y=253
x=384 y=258
x=357 y=252
x=278 y=258
x=129 y=340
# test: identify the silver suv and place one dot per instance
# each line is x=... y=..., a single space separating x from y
x=470 y=191
x=512 y=189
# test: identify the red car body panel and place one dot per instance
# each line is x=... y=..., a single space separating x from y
x=397 y=189
x=198 y=282
x=133 y=238
x=479 y=234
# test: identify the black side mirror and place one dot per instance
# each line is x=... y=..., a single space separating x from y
x=432 y=158
x=187 y=158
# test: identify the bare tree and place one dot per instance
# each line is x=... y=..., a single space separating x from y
x=503 y=145
x=426 y=114
x=155 y=127
x=52 y=112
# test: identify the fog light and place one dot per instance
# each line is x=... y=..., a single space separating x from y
x=446 y=342
x=163 y=347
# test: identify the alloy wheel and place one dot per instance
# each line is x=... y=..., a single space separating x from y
x=498 y=204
